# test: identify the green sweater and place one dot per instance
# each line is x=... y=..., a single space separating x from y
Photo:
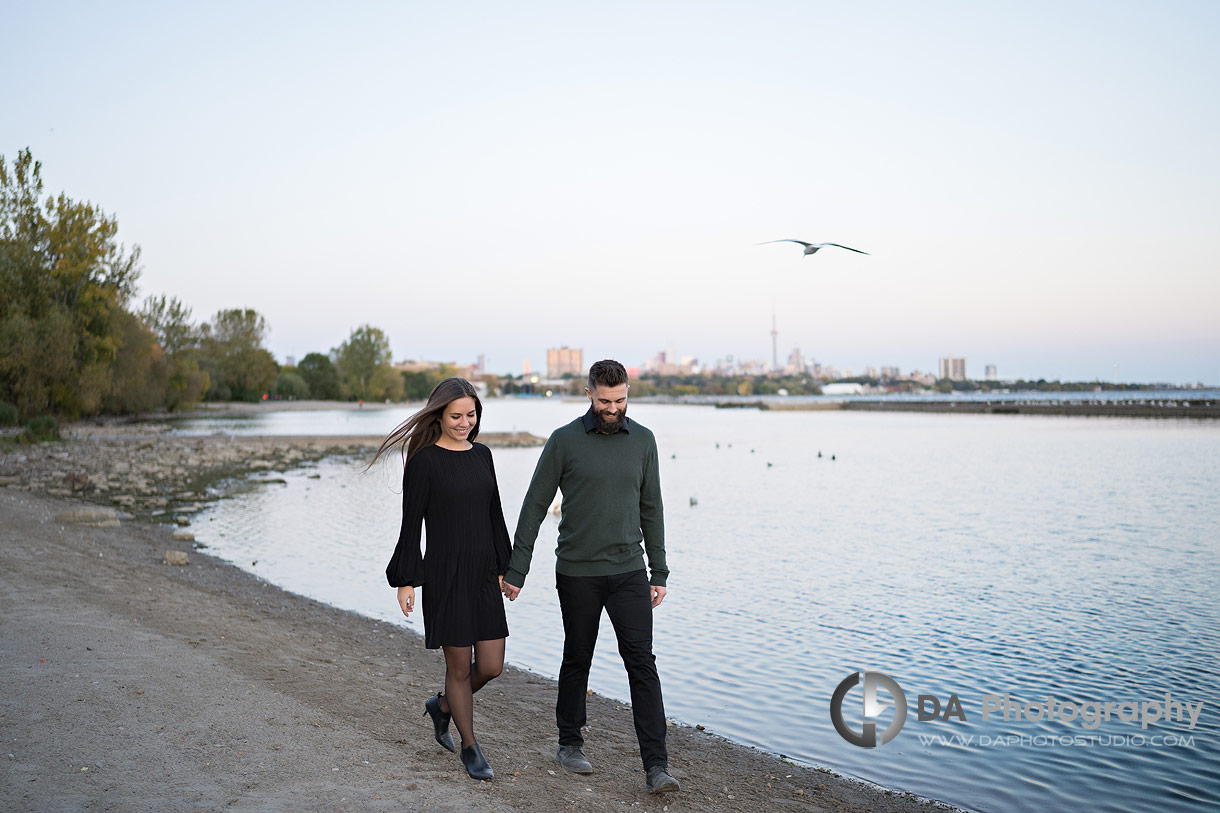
x=611 y=503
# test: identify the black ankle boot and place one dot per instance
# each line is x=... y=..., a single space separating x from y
x=440 y=722
x=476 y=764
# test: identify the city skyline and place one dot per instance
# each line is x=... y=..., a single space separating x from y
x=601 y=176
x=668 y=361
x=568 y=361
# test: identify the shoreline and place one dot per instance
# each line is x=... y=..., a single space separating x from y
x=1196 y=409
x=1081 y=406
x=165 y=619
x=1199 y=409
x=141 y=468
x=139 y=684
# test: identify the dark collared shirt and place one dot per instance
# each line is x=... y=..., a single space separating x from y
x=589 y=420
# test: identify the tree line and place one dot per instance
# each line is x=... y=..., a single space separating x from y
x=74 y=342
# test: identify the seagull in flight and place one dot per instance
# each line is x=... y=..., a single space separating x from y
x=812 y=248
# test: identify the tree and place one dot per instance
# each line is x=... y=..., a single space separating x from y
x=417 y=386
x=140 y=374
x=289 y=384
x=321 y=377
x=363 y=362
x=38 y=366
x=63 y=279
x=170 y=322
x=232 y=354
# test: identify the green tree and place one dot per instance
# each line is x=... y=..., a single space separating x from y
x=233 y=356
x=140 y=374
x=290 y=384
x=170 y=322
x=417 y=386
x=38 y=367
x=363 y=362
x=63 y=278
x=321 y=377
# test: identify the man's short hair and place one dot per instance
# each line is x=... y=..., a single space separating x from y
x=607 y=373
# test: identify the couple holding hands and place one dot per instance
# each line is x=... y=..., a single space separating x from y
x=606 y=467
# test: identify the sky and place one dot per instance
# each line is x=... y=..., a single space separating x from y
x=1037 y=183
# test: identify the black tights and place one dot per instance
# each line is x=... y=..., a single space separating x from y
x=464 y=677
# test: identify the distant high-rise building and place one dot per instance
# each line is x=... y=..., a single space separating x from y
x=953 y=369
x=561 y=360
x=989 y=372
x=666 y=362
x=525 y=367
x=891 y=373
x=290 y=361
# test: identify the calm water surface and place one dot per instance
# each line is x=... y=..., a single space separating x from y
x=958 y=554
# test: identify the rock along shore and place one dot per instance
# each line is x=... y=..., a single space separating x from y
x=143 y=469
x=133 y=684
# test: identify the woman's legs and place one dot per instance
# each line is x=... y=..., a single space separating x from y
x=463 y=678
x=488 y=663
x=457 y=695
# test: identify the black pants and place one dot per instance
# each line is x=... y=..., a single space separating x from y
x=628 y=601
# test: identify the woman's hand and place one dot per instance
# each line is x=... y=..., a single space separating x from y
x=406 y=599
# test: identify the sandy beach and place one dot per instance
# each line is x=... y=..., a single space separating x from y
x=133 y=684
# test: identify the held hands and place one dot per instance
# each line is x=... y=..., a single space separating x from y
x=510 y=591
x=406 y=599
x=658 y=595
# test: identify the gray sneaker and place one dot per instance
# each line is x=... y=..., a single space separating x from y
x=573 y=759
x=659 y=780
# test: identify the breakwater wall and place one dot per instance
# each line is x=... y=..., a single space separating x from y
x=1150 y=408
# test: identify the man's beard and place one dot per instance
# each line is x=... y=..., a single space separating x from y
x=609 y=427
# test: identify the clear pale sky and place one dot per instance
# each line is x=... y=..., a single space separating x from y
x=1038 y=183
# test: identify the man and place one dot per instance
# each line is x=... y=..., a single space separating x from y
x=606 y=467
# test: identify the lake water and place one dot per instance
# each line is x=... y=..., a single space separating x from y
x=965 y=555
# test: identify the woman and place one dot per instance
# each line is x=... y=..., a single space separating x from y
x=450 y=483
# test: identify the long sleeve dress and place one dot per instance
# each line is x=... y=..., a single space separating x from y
x=456 y=494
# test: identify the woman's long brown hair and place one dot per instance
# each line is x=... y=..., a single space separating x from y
x=424 y=427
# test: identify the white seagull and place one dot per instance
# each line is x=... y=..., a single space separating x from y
x=812 y=248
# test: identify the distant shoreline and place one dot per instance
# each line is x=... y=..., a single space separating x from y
x=1197 y=408
x=1165 y=408
x=285 y=405
x=1080 y=406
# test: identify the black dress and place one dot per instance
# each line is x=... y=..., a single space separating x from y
x=468 y=545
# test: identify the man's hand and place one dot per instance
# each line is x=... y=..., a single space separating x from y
x=658 y=595
x=509 y=590
x=406 y=599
